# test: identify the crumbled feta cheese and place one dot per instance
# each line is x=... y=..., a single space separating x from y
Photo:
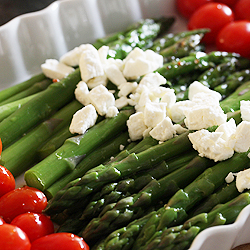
x=164 y=130
x=114 y=74
x=200 y=117
x=243 y=180
x=102 y=99
x=228 y=129
x=151 y=81
x=72 y=57
x=197 y=87
x=98 y=80
x=83 y=119
x=242 y=137
x=122 y=147
x=103 y=53
x=136 y=126
x=55 y=70
x=121 y=102
x=229 y=178
x=139 y=62
x=82 y=92
x=207 y=99
x=176 y=111
x=179 y=129
x=90 y=64
x=210 y=145
x=112 y=112
x=169 y=97
x=127 y=88
x=245 y=110
x=154 y=113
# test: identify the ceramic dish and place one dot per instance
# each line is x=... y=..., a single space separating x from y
x=28 y=40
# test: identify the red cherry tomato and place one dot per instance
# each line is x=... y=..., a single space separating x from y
x=187 y=7
x=242 y=10
x=213 y=16
x=12 y=237
x=235 y=37
x=7 y=181
x=22 y=200
x=34 y=225
x=62 y=241
x=230 y=3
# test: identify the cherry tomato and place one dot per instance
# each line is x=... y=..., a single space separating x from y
x=229 y=3
x=12 y=237
x=62 y=241
x=187 y=7
x=7 y=181
x=22 y=200
x=34 y=225
x=235 y=37
x=242 y=10
x=213 y=16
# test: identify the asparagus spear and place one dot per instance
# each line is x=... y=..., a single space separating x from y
x=233 y=82
x=170 y=38
x=104 y=152
x=25 y=148
x=6 y=93
x=217 y=75
x=94 y=181
x=140 y=35
x=65 y=159
x=224 y=194
x=181 y=48
x=232 y=102
x=35 y=88
x=181 y=237
x=8 y=109
x=38 y=108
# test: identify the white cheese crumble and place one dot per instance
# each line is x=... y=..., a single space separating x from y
x=55 y=70
x=245 y=110
x=101 y=99
x=83 y=119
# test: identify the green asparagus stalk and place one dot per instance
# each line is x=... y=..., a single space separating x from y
x=233 y=82
x=232 y=102
x=8 y=109
x=104 y=152
x=65 y=159
x=10 y=91
x=94 y=181
x=54 y=143
x=217 y=75
x=130 y=208
x=38 y=108
x=141 y=34
x=224 y=194
x=35 y=88
x=181 y=237
x=199 y=61
x=181 y=48
x=25 y=148
x=170 y=38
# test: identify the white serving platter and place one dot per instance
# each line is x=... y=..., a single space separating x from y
x=28 y=40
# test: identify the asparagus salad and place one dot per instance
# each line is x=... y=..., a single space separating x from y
x=135 y=139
